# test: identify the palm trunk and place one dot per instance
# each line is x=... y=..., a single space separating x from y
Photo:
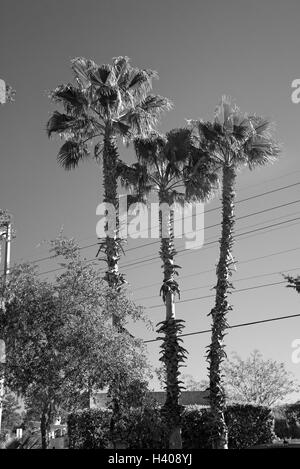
x=217 y=353
x=112 y=245
x=172 y=352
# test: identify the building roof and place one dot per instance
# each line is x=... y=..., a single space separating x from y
x=99 y=400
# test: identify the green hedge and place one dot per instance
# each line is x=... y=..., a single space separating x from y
x=89 y=429
x=287 y=421
x=249 y=426
x=145 y=429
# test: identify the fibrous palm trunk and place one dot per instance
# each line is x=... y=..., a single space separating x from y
x=173 y=354
x=112 y=243
x=112 y=247
x=216 y=352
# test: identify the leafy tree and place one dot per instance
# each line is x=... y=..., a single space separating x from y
x=191 y=384
x=293 y=282
x=11 y=415
x=60 y=344
x=163 y=168
x=188 y=381
x=105 y=103
x=257 y=381
x=231 y=141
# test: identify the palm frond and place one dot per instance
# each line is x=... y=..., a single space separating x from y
x=145 y=114
x=71 y=153
x=225 y=112
x=58 y=123
x=293 y=282
x=103 y=76
x=121 y=128
x=136 y=180
x=142 y=79
x=155 y=104
x=82 y=68
x=70 y=96
x=148 y=149
x=121 y=66
x=261 y=151
x=178 y=145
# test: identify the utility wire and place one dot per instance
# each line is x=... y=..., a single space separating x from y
x=188 y=251
x=142 y=260
x=207 y=211
x=213 y=270
x=245 y=324
x=212 y=296
x=251 y=277
x=242 y=189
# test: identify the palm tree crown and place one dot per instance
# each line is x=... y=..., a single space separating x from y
x=105 y=100
x=235 y=139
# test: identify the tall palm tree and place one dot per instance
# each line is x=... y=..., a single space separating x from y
x=163 y=167
x=232 y=140
x=105 y=103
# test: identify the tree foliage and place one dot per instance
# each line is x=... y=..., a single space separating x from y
x=11 y=415
x=59 y=340
x=256 y=380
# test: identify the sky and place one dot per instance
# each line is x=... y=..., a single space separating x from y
x=201 y=50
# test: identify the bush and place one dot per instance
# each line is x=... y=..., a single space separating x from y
x=196 y=428
x=282 y=428
x=287 y=421
x=249 y=426
x=144 y=428
x=89 y=429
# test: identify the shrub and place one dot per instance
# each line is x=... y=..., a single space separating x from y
x=195 y=428
x=282 y=428
x=144 y=428
x=89 y=429
x=287 y=421
x=249 y=426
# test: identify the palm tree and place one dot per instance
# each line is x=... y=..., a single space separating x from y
x=106 y=102
x=232 y=140
x=163 y=167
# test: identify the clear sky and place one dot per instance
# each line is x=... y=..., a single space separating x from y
x=201 y=50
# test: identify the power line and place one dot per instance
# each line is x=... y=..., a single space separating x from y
x=213 y=270
x=181 y=252
x=219 y=224
x=189 y=251
x=242 y=189
x=235 y=203
x=207 y=211
x=212 y=296
x=251 y=277
x=245 y=324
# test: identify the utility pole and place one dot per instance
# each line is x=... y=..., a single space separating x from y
x=7 y=236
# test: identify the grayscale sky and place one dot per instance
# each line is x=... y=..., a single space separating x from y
x=201 y=50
